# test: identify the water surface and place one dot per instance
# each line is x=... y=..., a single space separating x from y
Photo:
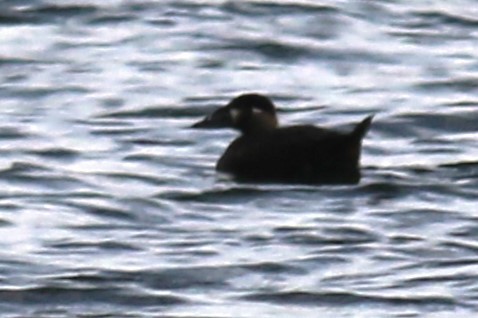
x=109 y=203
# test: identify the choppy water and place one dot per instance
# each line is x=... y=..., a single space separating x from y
x=110 y=206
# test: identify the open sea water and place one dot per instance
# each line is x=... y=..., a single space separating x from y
x=110 y=205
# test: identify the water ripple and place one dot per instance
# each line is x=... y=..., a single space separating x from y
x=350 y=299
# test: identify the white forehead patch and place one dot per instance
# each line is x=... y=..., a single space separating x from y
x=234 y=114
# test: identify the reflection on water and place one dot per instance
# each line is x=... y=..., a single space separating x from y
x=110 y=205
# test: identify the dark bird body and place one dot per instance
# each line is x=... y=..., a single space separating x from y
x=295 y=154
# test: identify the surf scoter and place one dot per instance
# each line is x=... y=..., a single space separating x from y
x=266 y=152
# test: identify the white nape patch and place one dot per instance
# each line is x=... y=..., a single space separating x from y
x=256 y=110
x=234 y=114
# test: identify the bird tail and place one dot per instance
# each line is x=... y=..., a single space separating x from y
x=362 y=128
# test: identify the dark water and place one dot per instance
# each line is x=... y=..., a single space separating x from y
x=110 y=206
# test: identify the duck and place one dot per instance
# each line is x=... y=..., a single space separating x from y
x=299 y=154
